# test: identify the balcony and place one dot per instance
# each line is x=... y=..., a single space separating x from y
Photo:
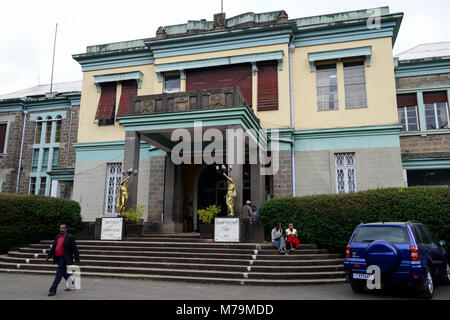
x=188 y=101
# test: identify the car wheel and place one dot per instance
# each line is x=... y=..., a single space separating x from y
x=358 y=286
x=426 y=289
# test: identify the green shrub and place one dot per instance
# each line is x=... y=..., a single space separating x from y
x=329 y=220
x=133 y=215
x=206 y=215
x=26 y=219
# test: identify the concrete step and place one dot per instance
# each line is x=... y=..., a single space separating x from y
x=171 y=235
x=197 y=273
x=151 y=253
x=250 y=246
x=113 y=257
x=188 y=265
x=271 y=282
x=203 y=254
x=160 y=249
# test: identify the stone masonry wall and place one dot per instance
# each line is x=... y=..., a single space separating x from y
x=156 y=188
x=282 y=181
x=429 y=81
x=9 y=164
x=429 y=143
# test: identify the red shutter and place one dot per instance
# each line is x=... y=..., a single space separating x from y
x=237 y=75
x=404 y=100
x=2 y=137
x=435 y=97
x=107 y=101
x=267 y=86
x=129 y=89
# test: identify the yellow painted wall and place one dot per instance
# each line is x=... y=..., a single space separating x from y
x=268 y=119
x=380 y=88
x=89 y=129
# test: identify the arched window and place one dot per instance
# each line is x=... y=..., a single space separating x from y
x=38 y=131
x=58 y=128
x=48 y=133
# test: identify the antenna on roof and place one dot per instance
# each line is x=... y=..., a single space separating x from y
x=53 y=61
x=221 y=6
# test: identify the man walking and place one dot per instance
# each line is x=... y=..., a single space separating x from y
x=63 y=251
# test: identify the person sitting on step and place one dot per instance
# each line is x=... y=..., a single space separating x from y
x=278 y=238
x=292 y=237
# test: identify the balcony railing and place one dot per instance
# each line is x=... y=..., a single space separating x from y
x=187 y=101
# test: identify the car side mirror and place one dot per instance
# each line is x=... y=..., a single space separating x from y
x=442 y=243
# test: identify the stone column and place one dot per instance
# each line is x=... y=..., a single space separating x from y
x=131 y=161
x=257 y=185
x=173 y=197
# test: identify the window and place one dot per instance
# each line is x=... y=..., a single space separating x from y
x=355 y=85
x=407 y=111
x=436 y=110
x=55 y=158
x=345 y=172
x=33 y=185
x=58 y=128
x=48 y=133
x=390 y=234
x=327 y=94
x=171 y=84
x=3 y=127
x=42 y=186
x=129 y=89
x=35 y=162
x=268 y=85
x=38 y=131
x=107 y=104
x=113 y=180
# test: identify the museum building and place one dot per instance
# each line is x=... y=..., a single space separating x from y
x=322 y=95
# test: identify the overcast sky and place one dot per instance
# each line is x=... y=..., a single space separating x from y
x=27 y=28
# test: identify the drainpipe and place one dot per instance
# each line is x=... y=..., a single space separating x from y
x=291 y=89
x=25 y=112
x=68 y=136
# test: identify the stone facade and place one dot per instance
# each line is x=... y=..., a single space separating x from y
x=9 y=164
x=282 y=181
x=423 y=82
x=425 y=144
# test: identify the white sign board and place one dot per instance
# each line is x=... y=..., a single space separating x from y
x=226 y=230
x=111 y=229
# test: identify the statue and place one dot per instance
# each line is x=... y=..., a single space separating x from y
x=231 y=195
x=122 y=197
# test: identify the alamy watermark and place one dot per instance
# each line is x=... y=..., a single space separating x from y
x=214 y=146
x=74 y=281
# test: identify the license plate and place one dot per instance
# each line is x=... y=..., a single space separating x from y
x=363 y=276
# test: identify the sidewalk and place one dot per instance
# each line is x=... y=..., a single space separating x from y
x=35 y=287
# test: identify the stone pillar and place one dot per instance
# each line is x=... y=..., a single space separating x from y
x=257 y=185
x=173 y=197
x=131 y=161
x=55 y=190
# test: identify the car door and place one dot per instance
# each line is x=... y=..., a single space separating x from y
x=432 y=248
x=435 y=250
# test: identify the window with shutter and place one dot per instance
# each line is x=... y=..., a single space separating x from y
x=129 y=89
x=106 y=105
x=237 y=75
x=267 y=86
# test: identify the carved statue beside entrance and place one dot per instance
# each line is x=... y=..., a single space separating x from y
x=231 y=195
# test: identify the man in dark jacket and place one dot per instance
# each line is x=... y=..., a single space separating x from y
x=62 y=251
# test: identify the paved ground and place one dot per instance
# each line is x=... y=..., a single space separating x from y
x=35 y=287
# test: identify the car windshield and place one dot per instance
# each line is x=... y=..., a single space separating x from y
x=386 y=233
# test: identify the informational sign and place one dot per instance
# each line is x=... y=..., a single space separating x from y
x=111 y=229
x=226 y=230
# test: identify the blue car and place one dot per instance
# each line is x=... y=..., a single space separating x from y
x=386 y=253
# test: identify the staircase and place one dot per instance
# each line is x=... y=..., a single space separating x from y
x=187 y=257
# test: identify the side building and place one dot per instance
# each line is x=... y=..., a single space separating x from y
x=325 y=83
x=37 y=132
x=423 y=92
